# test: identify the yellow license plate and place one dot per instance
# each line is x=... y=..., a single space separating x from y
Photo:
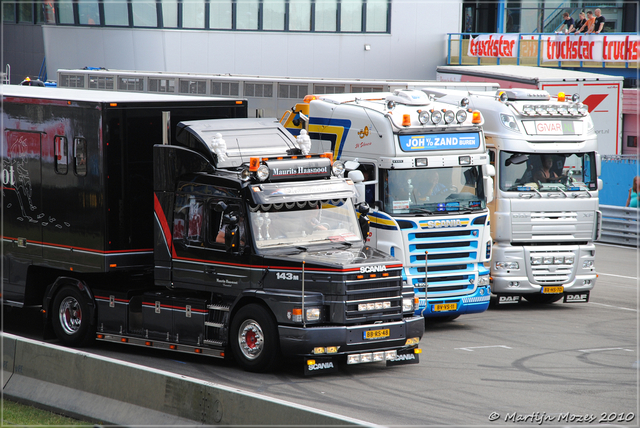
x=553 y=290
x=445 y=307
x=377 y=334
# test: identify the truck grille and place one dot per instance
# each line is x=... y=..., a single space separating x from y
x=547 y=274
x=372 y=291
x=452 y=254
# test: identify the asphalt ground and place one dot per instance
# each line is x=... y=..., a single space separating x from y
x=553 y=365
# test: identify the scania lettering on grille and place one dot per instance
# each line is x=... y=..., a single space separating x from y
x=435 y=224
x=370 y=269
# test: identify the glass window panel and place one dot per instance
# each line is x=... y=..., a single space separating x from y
x=41 y=11
x=48 y=12
x=247 y=14
x=300 y=15
x=162 y=85
x=25 y=12
x=65 y=11
x=115 y=12
x=273 y=15
x=144 y=13
x=60 y=159
x=377 y=12
x=170 y=13
x=80 y=155
x=9 y=11
x=101 y=82
x=193 y=14
x=326 y=12
x=220 y=14
x=88 y=12
x=351 y=15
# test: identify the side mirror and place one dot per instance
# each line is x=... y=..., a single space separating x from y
x=351 y=165
x=363 y=219
x=232 y=233
x=488 y=188
x=490 y=170
x=357 y=177
x=220 y=207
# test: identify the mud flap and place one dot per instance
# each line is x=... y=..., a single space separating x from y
x=577 y=297
x=315 y=366
x=407 y=356
x=508 y=299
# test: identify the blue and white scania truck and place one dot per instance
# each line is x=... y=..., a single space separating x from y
x=423 y=168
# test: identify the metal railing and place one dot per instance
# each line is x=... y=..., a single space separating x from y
x=620 y=225
x=529 y=52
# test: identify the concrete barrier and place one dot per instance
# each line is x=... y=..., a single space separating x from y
x=105 y=390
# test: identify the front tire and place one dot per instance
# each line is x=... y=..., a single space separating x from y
x=70 y=318
x=254 y=339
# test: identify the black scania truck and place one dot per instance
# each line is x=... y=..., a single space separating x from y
x=226 y=239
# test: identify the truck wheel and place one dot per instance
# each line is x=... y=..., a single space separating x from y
x=543 y=299
x=254 y=339
x=70 y=318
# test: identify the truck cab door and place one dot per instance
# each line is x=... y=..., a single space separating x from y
x=201 y=259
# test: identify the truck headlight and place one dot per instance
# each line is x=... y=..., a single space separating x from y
x=483 y=280
x=263 y=172
x=507 y=265
x=536 y=260
x=338 y=168
x=587 y=264
x=407 y=305
x=313 y=314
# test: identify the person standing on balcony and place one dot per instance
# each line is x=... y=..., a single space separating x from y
x=588 y=26
x=599 y=22
x=575 y=28
x=567 y=23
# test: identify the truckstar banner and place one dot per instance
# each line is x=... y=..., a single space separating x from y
x=591 y=47
x=560 y=47
x=494 y=45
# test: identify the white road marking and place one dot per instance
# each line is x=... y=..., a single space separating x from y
x=618 y=276
x=605 y=349
x=471 y=348
x=616 y=307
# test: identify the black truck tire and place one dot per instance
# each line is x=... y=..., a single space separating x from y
x=70 y=318
x=254 y=339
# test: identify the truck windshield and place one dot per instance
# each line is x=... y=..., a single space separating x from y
x=433 y=190
x=547 y=172
x=298 y=224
